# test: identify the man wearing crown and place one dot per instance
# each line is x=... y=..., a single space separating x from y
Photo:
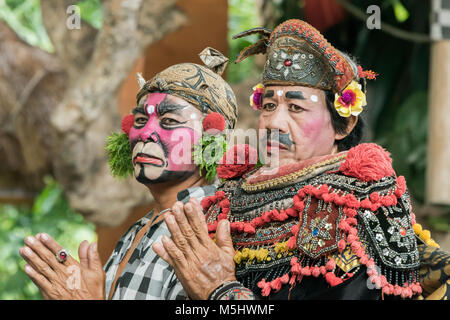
x=333 y=221
x=173 y=110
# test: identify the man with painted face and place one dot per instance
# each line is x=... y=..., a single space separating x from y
x=155 y=146
x=331 y=221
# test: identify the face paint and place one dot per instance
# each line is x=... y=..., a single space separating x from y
x=279 y=93
x=302 y=123
x=162 y=146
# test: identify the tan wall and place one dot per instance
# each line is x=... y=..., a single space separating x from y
x=207 y=27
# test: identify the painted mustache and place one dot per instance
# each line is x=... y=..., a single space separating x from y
x=283 y=141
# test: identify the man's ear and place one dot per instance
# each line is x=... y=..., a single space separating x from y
x=353 y=120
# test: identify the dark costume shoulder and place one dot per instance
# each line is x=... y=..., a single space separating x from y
x=318 y=223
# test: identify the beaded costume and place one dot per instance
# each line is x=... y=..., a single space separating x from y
x=329 y=219
x=338 y=226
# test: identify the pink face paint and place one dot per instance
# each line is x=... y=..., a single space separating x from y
x=164 y=149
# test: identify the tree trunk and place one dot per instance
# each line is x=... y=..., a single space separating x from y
x=57 y=110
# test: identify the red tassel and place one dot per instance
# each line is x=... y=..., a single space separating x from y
x=340 y=201
x=292 y=243
x=328 y=197
x=306 y=271
x=332 y=279
x=212 y=227
x=248 y=228
x=222 y=216
x=225 y=203
x=343 y=225
x=283 y=215
x=351 y=201
x=315 y=271
x=351 y=213
x=276 y=284
x=294 y=229
x=323 y=270
x=266 y=216
x=341 y=245
x=375 y=197
x=220 y=195
x=331 y=264
x=366 y=204
x=291 y=212
x=285 y=279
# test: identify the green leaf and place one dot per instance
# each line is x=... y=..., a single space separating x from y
x=401 y=13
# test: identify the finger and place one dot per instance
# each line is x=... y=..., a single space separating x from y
x=54 y=246
x=43 y=253
x=38 y=264
x=83 y=254
x=39 y=280
x=194 y=215
x=176 y=256
x=178 y=238
x=178 y=211
x=223 y=237
x=158 y=248
x=93 y=257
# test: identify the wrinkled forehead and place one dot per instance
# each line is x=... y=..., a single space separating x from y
x=161 y=103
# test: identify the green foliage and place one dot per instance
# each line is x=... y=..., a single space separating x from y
x=208 y=153
x=25 y=18
x=119 y=153
x=242 y=16
x=91 y=12
x=50 y=213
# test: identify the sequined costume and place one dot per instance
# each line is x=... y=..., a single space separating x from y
x=334 y=227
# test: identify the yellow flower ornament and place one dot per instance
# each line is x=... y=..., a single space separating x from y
x=351 y=101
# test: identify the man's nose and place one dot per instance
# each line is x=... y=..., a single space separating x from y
x=149 y=135
x=278 y=120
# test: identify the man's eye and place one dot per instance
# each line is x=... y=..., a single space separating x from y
x=295 y=108
x=169 y=121
x=139 y=121
x=269 y=107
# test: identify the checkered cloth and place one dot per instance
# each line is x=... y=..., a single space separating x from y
x=146 y=276
x=440 y=19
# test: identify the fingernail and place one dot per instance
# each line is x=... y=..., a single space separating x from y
x=27 y=251
x=188 y=207
x=94 y=246
x=29 y=240
x=170 y=218
x=28 y=269
x=45 y=236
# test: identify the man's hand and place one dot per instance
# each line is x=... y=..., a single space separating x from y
x=70 y=280
x=200 y=264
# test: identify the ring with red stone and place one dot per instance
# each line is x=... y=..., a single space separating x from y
x=61 y=255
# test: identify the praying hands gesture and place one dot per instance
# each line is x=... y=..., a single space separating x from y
x=200 y=264
x=66 y=280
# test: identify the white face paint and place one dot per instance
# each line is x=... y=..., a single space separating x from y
x=280 y=93
x=150 y=109
x=193 y=116
x=314 y=98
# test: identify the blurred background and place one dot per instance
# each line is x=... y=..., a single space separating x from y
x=66 y=82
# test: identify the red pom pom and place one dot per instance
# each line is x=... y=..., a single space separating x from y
x=248 y=228
x=214 y=123
x=367 y=162
x=238 y=160
x=127 y=123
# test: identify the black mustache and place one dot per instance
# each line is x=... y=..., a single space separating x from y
x=283 y=138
